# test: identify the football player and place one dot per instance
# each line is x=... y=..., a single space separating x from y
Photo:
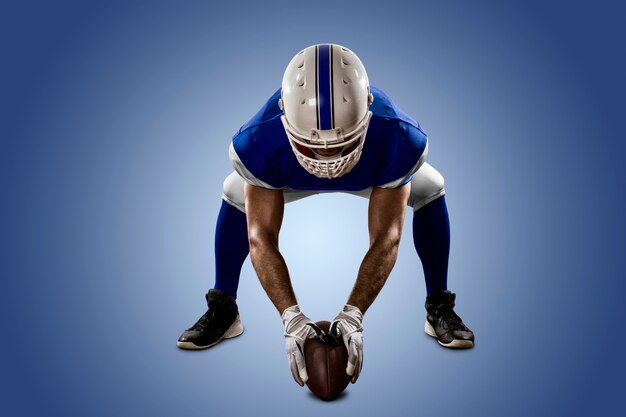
x=327 y=130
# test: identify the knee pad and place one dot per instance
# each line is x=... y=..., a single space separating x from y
x=427 y=185
x=233 y=191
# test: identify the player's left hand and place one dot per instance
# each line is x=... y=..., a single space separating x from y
x=348 y=325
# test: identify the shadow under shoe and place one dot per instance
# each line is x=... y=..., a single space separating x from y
x=444 y=324
x=221 y=321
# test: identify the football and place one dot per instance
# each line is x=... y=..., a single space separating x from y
x=326 y=361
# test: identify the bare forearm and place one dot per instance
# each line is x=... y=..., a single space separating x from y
x=272 y=270
x=373 y=273
x=264 y=213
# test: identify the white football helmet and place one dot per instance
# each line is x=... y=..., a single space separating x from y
x=325 y=98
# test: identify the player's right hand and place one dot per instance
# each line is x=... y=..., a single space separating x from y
x=297 y=332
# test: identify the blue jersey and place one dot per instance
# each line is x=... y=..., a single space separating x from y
x=395 y=147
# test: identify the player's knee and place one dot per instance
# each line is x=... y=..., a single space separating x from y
x=233 y=191
x=427 y=185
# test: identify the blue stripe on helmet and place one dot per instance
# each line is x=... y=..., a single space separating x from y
x=325 y=97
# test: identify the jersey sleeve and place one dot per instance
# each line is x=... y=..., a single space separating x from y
x=244 y=172
x=407 y=152
x=256 y=146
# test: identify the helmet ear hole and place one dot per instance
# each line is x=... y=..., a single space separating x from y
x=370 y=98
x=280 y=104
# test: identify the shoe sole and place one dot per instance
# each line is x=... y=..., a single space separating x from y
x=455 y=344
x=233 y=331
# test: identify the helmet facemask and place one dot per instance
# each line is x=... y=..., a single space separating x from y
x=349 y=148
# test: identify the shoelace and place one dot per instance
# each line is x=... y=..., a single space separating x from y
x=445 y=313
x=203 y=321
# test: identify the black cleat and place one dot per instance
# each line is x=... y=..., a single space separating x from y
x=444 y=324
x=221 y=321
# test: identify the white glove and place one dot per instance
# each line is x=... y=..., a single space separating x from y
x=297 y=332
x=348 y=325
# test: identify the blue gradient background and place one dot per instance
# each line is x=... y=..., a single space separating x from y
x=115 y=125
